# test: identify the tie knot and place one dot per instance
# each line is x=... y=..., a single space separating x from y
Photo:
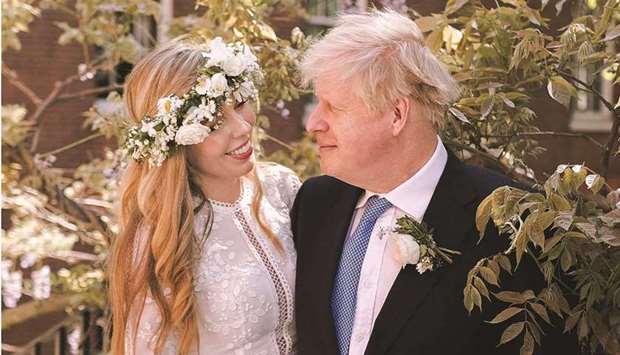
x=376 y=206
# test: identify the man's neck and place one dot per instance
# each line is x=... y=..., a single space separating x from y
x=402 y=167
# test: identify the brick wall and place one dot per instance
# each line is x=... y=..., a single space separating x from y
x=40 y=63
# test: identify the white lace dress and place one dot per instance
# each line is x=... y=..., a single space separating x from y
x=243 y=285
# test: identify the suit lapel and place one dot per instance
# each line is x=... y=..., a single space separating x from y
x=327 y=251
x=451 y=221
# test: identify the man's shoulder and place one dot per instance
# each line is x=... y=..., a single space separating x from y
x=324 y=185
x=484 y=180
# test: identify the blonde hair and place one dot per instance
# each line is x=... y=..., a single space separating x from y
x=384 y=55
x=156 y=246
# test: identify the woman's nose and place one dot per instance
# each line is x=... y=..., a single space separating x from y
x=242 y=127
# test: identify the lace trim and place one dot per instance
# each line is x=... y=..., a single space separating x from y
x=283 y=339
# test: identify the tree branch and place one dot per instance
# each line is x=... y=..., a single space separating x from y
x=613 y=137
x=14 y=79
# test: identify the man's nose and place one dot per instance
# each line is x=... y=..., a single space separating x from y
x=315 y=122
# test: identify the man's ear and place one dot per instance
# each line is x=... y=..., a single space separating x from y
x=400 y=114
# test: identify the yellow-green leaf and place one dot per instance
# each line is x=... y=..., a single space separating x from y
x=504 y=262
x=483 y=214
x=488 y=275
x=528 y=344
x=482 y=288
x=511 y=332
x=541 y=311
x=505 y=314
x=561 y=90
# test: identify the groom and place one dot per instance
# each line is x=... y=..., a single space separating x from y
x=381 y=98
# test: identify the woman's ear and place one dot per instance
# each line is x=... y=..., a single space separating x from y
x=400 y=114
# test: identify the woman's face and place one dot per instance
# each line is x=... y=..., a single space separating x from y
x=227 y=152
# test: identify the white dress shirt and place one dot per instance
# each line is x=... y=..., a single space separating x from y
x=379 y=269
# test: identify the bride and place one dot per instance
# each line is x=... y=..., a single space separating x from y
x=204 y=262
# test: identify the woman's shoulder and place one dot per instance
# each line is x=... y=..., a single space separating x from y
x=279 y=179
x=270 y=172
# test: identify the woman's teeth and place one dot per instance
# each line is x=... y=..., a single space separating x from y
x=241 y=150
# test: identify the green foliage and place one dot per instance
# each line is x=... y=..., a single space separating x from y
x=16 y=16
x=503 y=55
x=573 y=233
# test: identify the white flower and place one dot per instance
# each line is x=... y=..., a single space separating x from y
x=204 y=85
x=41 y=283
x=407 y=250
x=11 y=288
x=168 y=104
x=28 y=259
x=149 y=128
x=218 y=52
x=219 y=84
x=233 y=65
x=192 y=134
x=576 y=168
x=247 y=89
x=196 y=114
x=425 y=264
x=248 y=57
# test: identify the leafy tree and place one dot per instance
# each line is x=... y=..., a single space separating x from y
x=501 y=55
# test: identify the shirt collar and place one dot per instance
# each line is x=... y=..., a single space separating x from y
x=421 y=185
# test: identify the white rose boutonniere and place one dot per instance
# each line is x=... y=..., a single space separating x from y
x=415 y=245
x=407 y=250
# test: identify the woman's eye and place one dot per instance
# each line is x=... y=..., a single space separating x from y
x=239 y=104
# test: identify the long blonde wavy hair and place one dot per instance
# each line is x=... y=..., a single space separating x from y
x=156 y=246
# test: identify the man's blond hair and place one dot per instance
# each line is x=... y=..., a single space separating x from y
x=382 y=56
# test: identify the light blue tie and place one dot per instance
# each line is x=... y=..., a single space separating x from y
x=344 y=295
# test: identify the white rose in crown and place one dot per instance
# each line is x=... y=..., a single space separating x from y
x=407 y=250
x=168 y=104
x=204 y=85
x=219 y=84
x=234 y=65
x=192 y=134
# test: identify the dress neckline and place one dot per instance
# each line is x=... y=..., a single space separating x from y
x=228 y=205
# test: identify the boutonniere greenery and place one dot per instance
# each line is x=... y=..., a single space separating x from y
x=415 y=245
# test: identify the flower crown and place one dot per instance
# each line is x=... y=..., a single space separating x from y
x=227 y=77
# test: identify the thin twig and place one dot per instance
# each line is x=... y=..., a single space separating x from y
x=74 y=144
x=276 y=140
x=553 y=134
x=524 y=179
x=613 y=137
x=588 y=87
x=14 y=79
x=88 y=92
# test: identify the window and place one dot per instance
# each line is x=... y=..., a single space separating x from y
x=589 y=114
x=323 y=12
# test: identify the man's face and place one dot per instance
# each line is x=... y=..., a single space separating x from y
x=351 y=139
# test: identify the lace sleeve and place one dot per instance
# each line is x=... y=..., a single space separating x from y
x=284 y=181
x=140 y=333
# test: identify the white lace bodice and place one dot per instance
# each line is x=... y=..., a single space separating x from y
x=243 y=284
